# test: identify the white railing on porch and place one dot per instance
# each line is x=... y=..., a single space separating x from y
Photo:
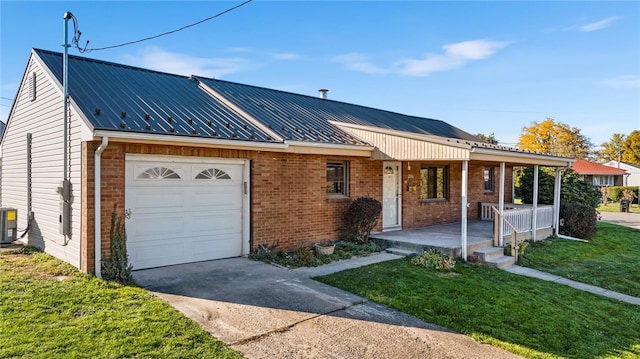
x=520 y=217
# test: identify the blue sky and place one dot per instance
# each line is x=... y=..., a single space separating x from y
x=482 y=66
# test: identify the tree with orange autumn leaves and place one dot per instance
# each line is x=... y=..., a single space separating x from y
x=554 y=138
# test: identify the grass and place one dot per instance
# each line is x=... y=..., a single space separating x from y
x=526 y=316
x=50 y=310
x=615 y=207
x=610 y=260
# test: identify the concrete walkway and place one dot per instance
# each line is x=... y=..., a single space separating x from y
x=534 y=273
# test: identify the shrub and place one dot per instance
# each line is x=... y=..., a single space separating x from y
x=616 y=192
x=117 y=268
x=573 y=189
x=434 y=259
x=629 y=195
x=580 y=221
x=360 y=219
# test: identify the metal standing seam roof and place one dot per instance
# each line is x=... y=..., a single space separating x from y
x=124 y=98
x=300 y=117
x=130 y=99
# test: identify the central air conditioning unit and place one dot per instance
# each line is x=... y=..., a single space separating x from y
x=8 y=225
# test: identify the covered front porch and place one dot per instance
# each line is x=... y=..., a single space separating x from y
x=415 y=197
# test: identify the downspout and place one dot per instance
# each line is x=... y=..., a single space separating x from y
x=97 y=204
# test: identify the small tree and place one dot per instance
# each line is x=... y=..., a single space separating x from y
x=360 y=219
x=604 y=192
x=117 y=268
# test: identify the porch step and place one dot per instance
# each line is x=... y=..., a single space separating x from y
x=501 y=262
x=487 y=253
x=401 y=252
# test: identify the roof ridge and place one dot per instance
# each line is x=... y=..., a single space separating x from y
x=314 y=97
x=109 y=63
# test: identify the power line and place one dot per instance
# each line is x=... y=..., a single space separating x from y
x=6 y=98
x=168 y=32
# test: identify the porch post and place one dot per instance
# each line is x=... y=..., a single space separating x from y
x=501 y=205
x=534 y=216
x=463 y=208
x=556 y=202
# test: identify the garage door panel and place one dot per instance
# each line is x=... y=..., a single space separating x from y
x=230 y=198
x=215 y=223
x=158 y=226
x=197 y=217
x=144 y=256
x=157 y=200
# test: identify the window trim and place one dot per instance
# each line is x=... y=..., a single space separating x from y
x=345 y=166
x=446 y=184
x=492 y=179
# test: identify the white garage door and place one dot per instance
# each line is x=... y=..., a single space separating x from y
x=184 y=210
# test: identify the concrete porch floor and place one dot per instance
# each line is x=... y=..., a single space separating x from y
x=445 y=237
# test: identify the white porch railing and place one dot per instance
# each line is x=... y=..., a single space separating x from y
x=520 y=217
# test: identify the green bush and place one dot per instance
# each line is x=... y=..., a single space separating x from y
x=434 y=259
x=573 y=189
x=615 y=192
x=580 y=221
x=360 y=219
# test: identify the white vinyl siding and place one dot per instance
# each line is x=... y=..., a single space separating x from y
x=43 y=118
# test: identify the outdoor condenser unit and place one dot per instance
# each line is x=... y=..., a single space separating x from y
x=8 y=225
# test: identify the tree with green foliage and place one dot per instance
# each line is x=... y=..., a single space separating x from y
x=573 y=189
x=631 y=148
x=612 y=150
x=554 y=138
x=488 y=139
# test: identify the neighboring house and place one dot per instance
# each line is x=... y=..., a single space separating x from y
x=633 y=177
x=212 y=169
x=598 y=174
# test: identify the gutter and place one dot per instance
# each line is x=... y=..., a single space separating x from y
x=97 y=206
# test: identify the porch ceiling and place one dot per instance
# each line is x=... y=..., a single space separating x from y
x=406 y=146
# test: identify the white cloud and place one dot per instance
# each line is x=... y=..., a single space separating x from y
x=359 y=62
x=455 y=55
x=625 y=81
x=158 y=59
x=598 y=25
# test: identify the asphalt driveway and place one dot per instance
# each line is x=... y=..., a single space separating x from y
x=629 y=219
x=266 y=311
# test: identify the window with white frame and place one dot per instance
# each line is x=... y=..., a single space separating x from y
x=338 y=178
x=434 y=182
x=488 y=179
x=603 y=180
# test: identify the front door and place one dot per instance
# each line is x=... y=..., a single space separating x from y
x=391 y=196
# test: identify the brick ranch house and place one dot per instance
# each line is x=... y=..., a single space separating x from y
x=212 y=169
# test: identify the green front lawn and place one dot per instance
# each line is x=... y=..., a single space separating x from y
x=615 y=207
x=526 y=316
x=610 y=260
x=50 y=310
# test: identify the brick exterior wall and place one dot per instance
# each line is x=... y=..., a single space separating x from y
x=421 y=213
x=289 y=205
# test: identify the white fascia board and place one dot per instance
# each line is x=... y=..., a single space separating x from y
x=121 y=136
x=487 y=154
x=330 y=149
